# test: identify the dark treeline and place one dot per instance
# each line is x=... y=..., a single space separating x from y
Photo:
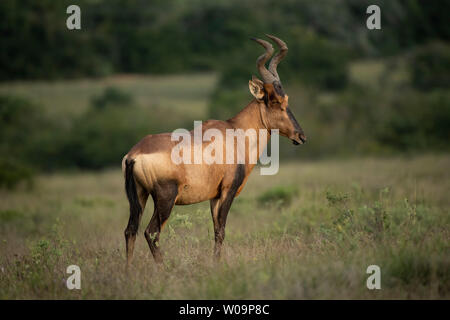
x=160 y=36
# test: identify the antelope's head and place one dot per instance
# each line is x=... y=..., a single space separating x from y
x=270 y=91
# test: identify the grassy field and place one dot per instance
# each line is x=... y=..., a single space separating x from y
x=69 y=98
x=309 y=232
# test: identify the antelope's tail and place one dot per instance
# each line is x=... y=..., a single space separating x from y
x=133 y=199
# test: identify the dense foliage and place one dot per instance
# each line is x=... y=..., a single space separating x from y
x=178 y=36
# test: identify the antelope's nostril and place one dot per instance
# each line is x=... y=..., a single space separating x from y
x=302 y=137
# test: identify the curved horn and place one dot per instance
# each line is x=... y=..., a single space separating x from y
x=280 y=55
x=262 y=59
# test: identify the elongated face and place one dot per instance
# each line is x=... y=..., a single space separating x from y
x=279 y=115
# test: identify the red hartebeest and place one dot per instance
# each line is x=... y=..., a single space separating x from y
x=149 y=170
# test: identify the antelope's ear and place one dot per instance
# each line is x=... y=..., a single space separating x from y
x=256 y=88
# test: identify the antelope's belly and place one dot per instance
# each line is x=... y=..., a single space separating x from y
x=200 y=183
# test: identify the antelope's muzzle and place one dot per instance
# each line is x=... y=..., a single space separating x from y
x=299 y=139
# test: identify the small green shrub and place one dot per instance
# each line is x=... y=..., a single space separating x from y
x=409 y=266
x=336 y=198
x=280 y=195
x=112 y=96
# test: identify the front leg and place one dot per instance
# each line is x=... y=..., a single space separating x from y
x=218 y=238
x=221 y=206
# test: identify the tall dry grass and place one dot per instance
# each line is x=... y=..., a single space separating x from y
x=323 y=224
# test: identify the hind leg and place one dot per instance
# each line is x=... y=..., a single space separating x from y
x=133 y=224
x=164 y=198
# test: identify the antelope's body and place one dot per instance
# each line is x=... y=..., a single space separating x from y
x=149 y=170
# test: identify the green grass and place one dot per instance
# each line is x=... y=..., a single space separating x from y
x=342 y=216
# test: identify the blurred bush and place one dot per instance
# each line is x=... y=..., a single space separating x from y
x=317 y=61
x=101 y=137
x=430 y=66
x=20 y=120
x=416 y=121
x=107 y=130
x=31 y=140
x=111 y=97
x=278 y=196
x=12 y=172
x=20 y=129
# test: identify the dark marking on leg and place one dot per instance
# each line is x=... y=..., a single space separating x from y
x=220 y=210
x=164 y=197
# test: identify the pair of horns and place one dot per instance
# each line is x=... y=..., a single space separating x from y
x=271 y=75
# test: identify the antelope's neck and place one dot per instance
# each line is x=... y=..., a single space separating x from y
x=253 y=117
